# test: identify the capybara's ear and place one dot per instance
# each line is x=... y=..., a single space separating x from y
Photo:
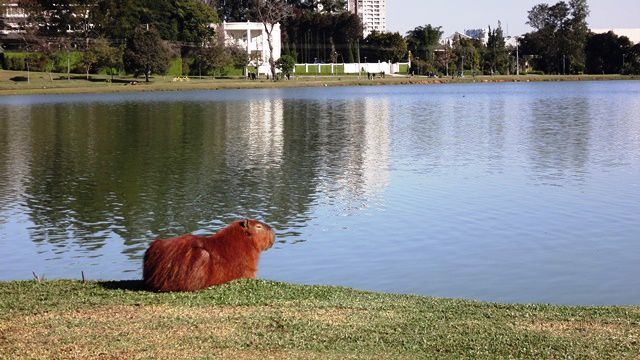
x=245 y=223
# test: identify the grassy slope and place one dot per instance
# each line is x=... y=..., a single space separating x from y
x=262 y=320
x=41 y=84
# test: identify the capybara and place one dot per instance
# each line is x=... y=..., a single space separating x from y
x=192 y=262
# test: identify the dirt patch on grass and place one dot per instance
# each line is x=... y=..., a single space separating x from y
x=156 y=331
x=329 y=316
x=584 y=328
x=119 y=332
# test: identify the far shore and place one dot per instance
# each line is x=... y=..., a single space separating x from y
x=15 y=82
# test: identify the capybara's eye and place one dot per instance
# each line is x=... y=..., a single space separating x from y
x=258 y=226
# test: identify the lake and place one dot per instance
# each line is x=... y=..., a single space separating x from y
x=514 y=192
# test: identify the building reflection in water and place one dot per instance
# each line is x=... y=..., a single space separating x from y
x=354 y=152
x=84 y=176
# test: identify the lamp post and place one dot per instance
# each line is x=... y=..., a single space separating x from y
x=517 y=53
x=517 y=57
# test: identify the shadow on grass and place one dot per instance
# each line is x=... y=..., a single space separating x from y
x=131 y=285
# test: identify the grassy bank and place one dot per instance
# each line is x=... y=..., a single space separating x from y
x=265 y=320
x=15 y=82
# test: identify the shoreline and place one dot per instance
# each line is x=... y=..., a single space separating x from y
x=41 y=85
x=259 y=319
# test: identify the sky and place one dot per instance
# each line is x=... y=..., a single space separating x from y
x=458 y=15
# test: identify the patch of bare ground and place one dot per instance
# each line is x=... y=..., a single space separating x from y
x=581 y=328
x=155 y=331
x=118 y=331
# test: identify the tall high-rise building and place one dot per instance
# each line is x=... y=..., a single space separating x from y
x=372 y=12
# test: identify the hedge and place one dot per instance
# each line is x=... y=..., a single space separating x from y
x=16 y=61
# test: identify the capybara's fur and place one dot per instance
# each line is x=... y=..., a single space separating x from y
x=192 y=262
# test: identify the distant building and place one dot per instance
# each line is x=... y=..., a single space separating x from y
x=12 y=18
x=478 y=34
x=373 y=14
x=456 y=36
x=632 y=34
x=252 y=37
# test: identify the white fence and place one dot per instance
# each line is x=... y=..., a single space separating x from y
x=350 y=68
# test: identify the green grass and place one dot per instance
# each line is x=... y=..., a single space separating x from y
x=262 y=319
x=175 y=67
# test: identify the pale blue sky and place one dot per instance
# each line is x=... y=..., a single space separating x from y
x=458 y=15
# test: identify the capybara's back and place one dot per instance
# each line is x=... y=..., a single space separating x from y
x=178 y=264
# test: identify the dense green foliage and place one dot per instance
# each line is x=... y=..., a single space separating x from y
x=286 y=64
x=216 y=59
x=176 y=20
x=423 y=40
x=102 y=28
x=632 y=63
x=384 y=47
x=496 y=56
x=258 y=319
x=312 y=32
x=60 y=62
x=327 y=37
x=606 y=53
x=146 y=54
x=558 y=42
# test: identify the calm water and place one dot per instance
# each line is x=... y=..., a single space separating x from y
x=508 y=192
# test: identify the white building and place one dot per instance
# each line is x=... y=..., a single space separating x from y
x=456 y=36
x=11 y=16
x=478 y=34
x=632 y=34
x=373 y=14
x=252 y=37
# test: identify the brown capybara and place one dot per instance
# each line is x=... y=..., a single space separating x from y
x=192 y=262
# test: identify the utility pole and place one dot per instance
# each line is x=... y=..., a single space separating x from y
x=517 y=58
x=358 y=49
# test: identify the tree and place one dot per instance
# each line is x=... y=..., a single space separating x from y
x=332 y=6
x=176 y=20
x=233 y=10
x=106 y=56
x=286 y=64
x=467 y=54
x=384 y=47
x=578 y=35
x=146 y=53
x=62 y=54
x=496 y=56
x=270 y=13
x=214 y=56
x=560 y=36
x=444 y=57
x=192 y=20
x=311 y=35
x=57 y=18
x=88 y=59
x=632 y=63
x=423 y=40
x=605 y=53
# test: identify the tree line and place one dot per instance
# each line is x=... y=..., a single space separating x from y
x=560 y=43
x=139 y=36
